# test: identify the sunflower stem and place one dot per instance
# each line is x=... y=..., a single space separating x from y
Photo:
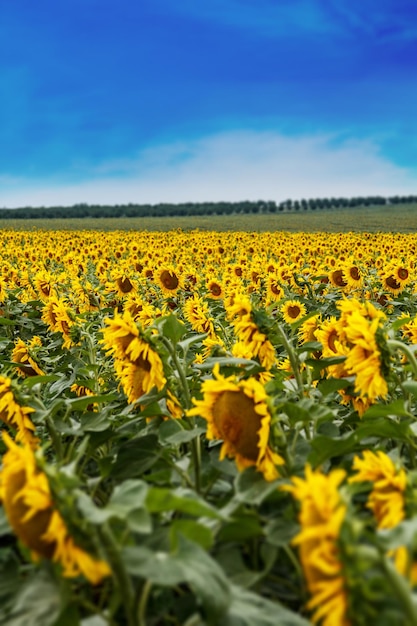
x=143 y=602
x=55 y=438
x=195 y=443
x=402 y=589
x=394 y=344
x=293 y=360
x=196 y=453
x=120 y=574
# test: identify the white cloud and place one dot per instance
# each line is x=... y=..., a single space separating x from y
x=230 y=166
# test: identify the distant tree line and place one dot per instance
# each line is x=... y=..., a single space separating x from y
x=197 y=208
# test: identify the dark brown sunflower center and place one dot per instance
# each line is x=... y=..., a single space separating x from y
x=169 y=280
x=125 y=285
x=402 y=273
x=30 y=531
x=238 y=423
x=293 y=311
x=331 y=340
x=45 y=288
x=354 y=272
x=392 y=283
x=215 y=289
x=142 y=364
x=337 y=277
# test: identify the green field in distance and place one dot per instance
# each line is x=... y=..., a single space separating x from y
x=391 y=218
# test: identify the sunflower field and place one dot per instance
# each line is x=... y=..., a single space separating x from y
x=208 y=429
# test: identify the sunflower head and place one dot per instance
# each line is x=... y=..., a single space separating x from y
x=169 y=280
x=237 y=413
x=33 y=515
x=292 y=311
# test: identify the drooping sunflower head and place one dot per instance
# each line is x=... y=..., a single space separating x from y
x=307 y=330
x=34 y=517
x=274 y=288
x=14 y=415
x=120 y=335
x=123 y=283
x=23 y=355
x=44 y=285
x=353 y=275
x=392 y=281
x=337 y=278
x=169 y=280
x=237 y=413
x=292 y=311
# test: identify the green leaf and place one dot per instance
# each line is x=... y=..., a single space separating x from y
x=80 y=404
x=34 y=380
x=280 y=532
x=397 y=408
x=190 y=564
x=94 y=422
x=192 y=530
x=5 y=321
x=69 y=617
x=135 y=457
x=174 y=433
x=245 y=527
x=38 y=603
x=160 y=499
x=410 y=386
x=249 y=609
x=329 y=385
x=385 y=428
x=252 y=488
x=126 y=503
x=171 y=328
x=324 y=448
x=223 y=361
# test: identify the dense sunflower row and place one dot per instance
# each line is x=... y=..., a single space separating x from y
x=208 y=428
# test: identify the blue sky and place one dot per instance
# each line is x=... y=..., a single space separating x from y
x=106 y=101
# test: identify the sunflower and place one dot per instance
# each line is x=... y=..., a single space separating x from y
x=255 y=342
x=57 y=315
x=237 y=413
x=23 y=356
x=307 y=330
x=395 y=278
x=274 y=289
x=386 y=500
x=137 y=365
x=121 y=336
x=337 y=278
x=122 y=283
x=142 y=375
x=215 y=289
x=391 y=282
x=44 y=284
x=352 y=275
x=292 y=311
x=197 y=313
x=364 y=357
x=322 y=514
x=168 y=280
x=35 y=519
x=14 y=415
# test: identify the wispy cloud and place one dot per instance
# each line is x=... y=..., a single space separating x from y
x=229 y=166
x=388 y=19
x=267 y=16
